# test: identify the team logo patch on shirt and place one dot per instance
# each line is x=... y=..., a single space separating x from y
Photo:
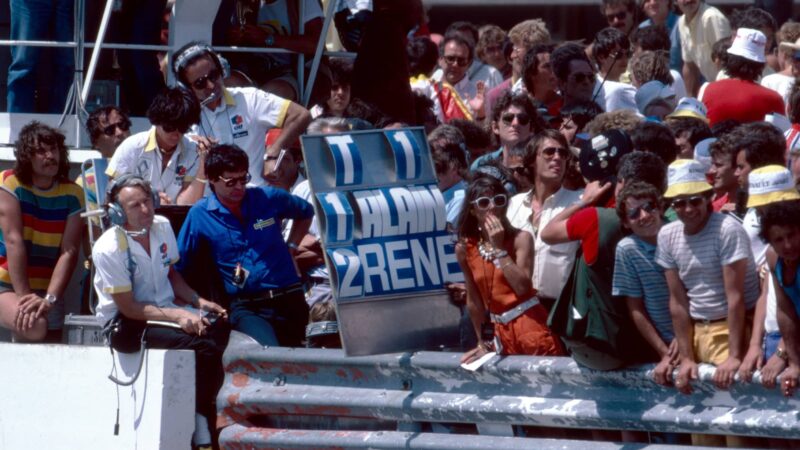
x=261 y=223
x=237 y=126
x=164 y=257
x=181 y=171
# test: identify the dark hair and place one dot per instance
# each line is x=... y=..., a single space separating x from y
x=719 y=149
x=533 y=148
x=93 y=121
x=719 y=50
x=762 y=144
x=467 y=30
x=779 y=214
x=174 y=106
x=30 y=137
x=562 y=56
x=695 y=129
x=581 y=113
x=740 y=67
x=794 y=102
x=341 y=71
x=651 y=65
x=195 y=50
x=607 y=40
x=640 y=191
x=225 y=158
x=422 y=56
x=458 y=38
x=467 y=222
x=445 y=134
x=657 y=138
x=645 y=167
x=448 y=154
x=359 y=109
x=724 y=127
x=629 y=4
x=530 y=64
x=475 y=136
x=522 y=101
x=653 y=38
x=754 y=18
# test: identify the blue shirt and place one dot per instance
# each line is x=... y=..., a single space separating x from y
x=453 y=201
x=256 y=241
x=675 y=56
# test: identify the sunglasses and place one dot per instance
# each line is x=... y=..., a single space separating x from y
x=169 y=128
x=202 y=82
x=618 y=16
x=696 y=201
x=522 y=118
x=461 y=62
x=484 y=203
x=519 y=170
x=647 y=207
x=231 y=182
x=549 y=152
x=583 y=77
x=124 y=125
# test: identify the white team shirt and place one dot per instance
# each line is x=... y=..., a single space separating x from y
x=243 y=118
x=139 y=155
x=150 y=272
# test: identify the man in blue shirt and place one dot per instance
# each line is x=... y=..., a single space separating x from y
x=240 y=228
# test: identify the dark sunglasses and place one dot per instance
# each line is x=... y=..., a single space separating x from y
x=231 y=182
x=202 y=82
x=124 y=125
x=519 y=170
x=695 y=201
x=484 y=203
x=170 y=128
x=461 y=62
x=618 y=16
x=582 y=77
x=522 y=118
x=549 y=152
x=647 y=207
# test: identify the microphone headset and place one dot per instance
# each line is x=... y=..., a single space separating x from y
x=189 y=54
x=114 y=211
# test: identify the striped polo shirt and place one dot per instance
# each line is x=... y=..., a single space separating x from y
x=44 y=218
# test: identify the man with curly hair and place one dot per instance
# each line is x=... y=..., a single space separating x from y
x=41 y=234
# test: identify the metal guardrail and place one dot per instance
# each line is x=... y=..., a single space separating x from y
x=274 y=392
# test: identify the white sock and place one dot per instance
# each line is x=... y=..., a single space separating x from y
x=201 y=434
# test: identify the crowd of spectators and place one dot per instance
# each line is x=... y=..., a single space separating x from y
x=629 y=199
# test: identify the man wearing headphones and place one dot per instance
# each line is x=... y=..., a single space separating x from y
x=238 y=116
x=136 y=284
x=41 y=234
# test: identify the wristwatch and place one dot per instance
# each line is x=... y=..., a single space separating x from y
x=51 y=298
x=781 y=353
x=270 y=40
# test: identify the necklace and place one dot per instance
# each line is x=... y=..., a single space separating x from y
x=486 y=250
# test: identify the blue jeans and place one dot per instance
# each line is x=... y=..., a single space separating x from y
x=40 y=20
x=279 y=321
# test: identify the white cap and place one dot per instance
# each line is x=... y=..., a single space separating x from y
x=749 y=44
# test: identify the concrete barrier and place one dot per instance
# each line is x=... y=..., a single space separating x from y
x=276 y=393
x=59 y=397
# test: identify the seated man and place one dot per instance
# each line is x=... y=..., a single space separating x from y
x=241 y=228
x=136 y=282
x=163 y=155
x=108 y=127
x=41 y=234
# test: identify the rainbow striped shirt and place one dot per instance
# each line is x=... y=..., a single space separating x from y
x=44 y=218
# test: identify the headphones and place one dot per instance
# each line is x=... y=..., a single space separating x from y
x=192 y=52
x=114 y=211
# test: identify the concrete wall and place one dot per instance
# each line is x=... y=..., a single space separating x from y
x=58 y=397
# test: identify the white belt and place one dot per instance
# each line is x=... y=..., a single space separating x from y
x=514 y=312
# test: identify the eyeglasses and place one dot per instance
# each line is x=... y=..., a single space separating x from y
x=484 y=203
x=461 y=62
x=621 y=53
x=618 y=16
x=549 y=152
x=695 y=201
x=522 y=118
x=123 y=125
x=170 y=128
x=231 y=182
x=202 y=82
x=647 y=207
x=583 y=77
x=519 y=170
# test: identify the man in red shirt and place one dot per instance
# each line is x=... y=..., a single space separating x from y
x=740 y=97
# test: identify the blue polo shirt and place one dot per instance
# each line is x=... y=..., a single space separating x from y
x=256 y=241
